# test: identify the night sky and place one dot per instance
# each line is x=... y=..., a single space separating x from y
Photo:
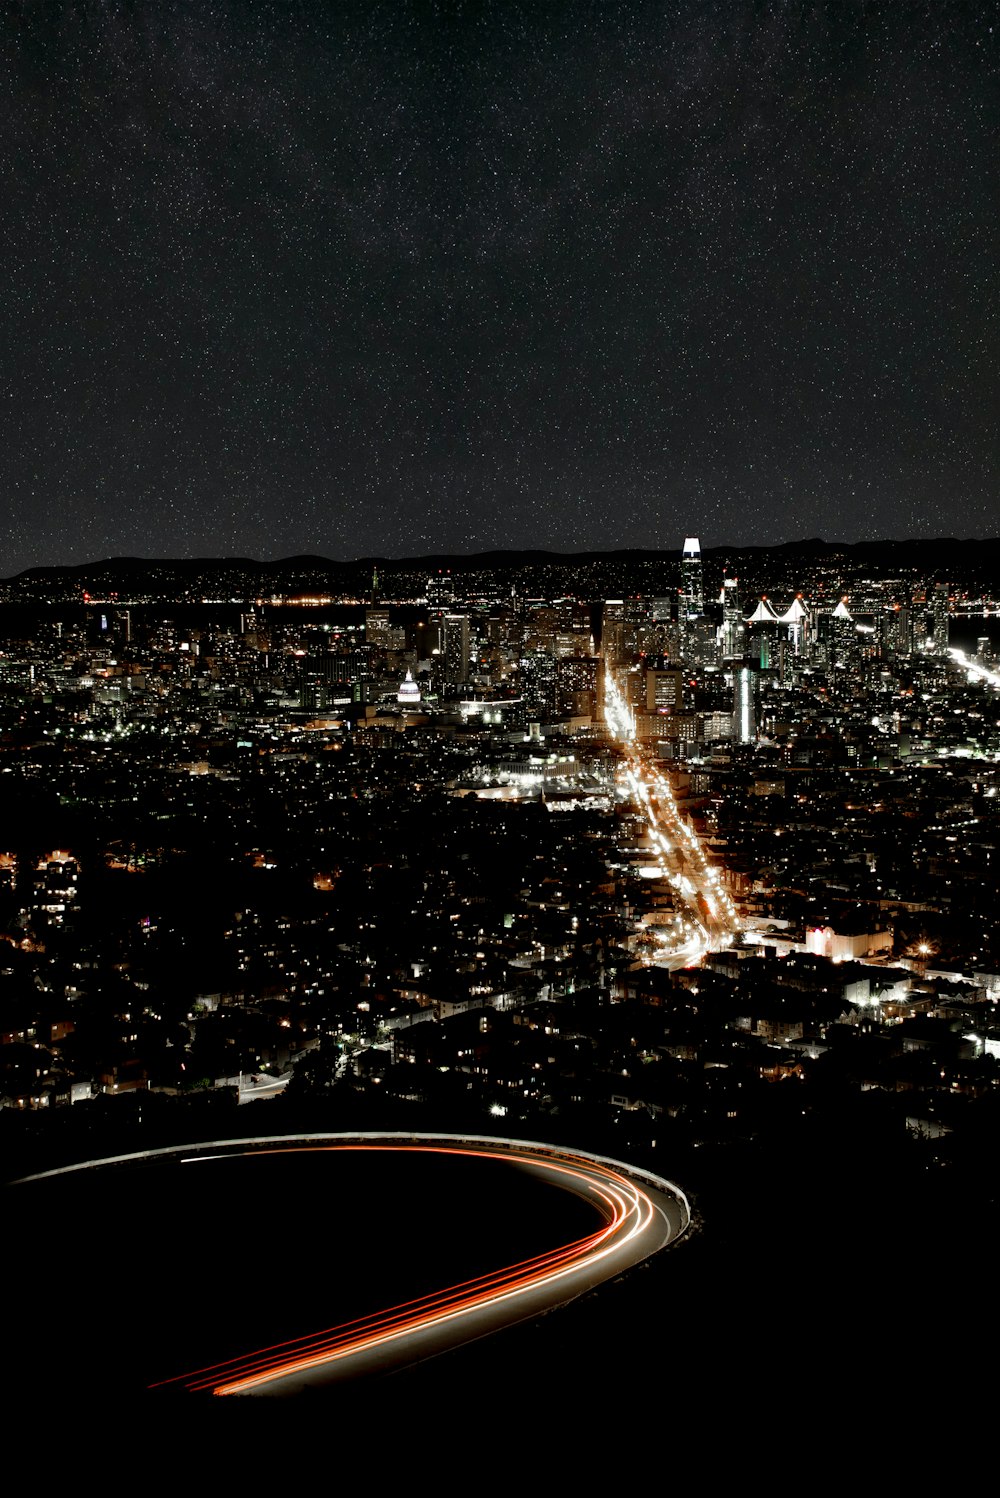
x=406 y=278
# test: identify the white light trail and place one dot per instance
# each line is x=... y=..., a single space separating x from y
x=974 y=668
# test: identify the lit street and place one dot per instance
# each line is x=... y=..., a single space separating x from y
x=710 y=919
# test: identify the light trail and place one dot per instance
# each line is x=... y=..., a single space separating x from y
x=627 y=1211
x=974 y=668
x=639 y=1214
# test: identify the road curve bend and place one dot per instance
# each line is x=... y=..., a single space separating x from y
x=638 y=1213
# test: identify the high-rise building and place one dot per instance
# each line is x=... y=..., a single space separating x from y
x=895 y=630
x=376 y=626
x=456 y=649
x=733 y=631
x=664 y=691
x=692 y=580
x=613 y=632
x=939 y=618
x=795 y=617
x=845 y=635
x=745 y=704
x=580 y=684
x=761 y=634
x=539 y=684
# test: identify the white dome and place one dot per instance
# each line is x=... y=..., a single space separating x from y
x=408 y=692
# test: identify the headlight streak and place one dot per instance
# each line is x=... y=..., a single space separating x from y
x=628 y=1212
x=976 y=670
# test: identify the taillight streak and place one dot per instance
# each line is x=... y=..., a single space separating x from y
x=627 y=1210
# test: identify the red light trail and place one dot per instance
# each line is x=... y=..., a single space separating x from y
x=633 y=1225
x=626 y=1208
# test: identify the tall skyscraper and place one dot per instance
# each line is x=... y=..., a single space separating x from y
x=745 y=704
x=580 y=684
x=796 y=617
x=613 y=632
x=664 y=690
x=845 y=635
x=939 y=618
x=456 y=648
x=733 y=632
x=692 y=581
x=539 y=684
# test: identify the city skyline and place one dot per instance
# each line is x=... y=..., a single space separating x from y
x=697 y=884
x=499 y=656
x=412 y=280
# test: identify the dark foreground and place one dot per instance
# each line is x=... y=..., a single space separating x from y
x=833 y=1307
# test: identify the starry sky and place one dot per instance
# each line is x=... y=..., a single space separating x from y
x=368 y=278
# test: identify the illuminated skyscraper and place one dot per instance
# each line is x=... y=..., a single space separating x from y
x=845 y=635
x=664 y=690
x=895 y=630
x=692 y=581
x=456 y=648
x=377 y=626
x=761 y=633
x=939 y=618
x=795 y=617
x=733 y=631
x=539 y=684
x=613 y=632
x=579 y=684
x=745 y=704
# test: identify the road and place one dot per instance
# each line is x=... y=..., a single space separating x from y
x=709 y=919
x=254 y=1086
x=637 y=1214
x=975 y=669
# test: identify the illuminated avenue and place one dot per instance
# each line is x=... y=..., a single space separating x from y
x=639 y=1214
x=679 y=856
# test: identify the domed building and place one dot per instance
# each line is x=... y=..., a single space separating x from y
x=409 y=693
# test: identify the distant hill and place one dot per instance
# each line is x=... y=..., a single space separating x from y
x=962 y=562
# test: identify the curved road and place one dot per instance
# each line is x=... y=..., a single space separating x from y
x=638 y=1215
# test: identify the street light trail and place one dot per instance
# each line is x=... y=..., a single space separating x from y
x=975 y=668
x=625 y=1207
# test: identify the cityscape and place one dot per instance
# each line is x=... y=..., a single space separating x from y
x=692 y=875
x=499 y=739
